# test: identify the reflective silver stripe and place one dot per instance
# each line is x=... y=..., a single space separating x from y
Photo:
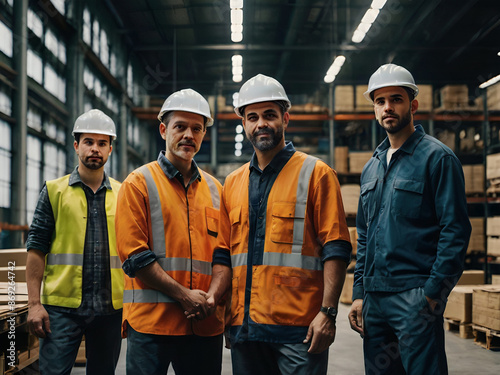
x=157 y=228
x=183 y=264
x=115 y=262
x=65 y=259
x=239 y=260
x=292 y=260
x=301 y=202
x=146 y=296
x=214 y=192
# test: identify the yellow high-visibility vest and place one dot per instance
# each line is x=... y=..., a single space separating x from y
x=62 y=281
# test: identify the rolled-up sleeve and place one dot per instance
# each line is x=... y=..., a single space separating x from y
x=43 y=224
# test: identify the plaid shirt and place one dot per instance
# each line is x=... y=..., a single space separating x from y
x=96 y=284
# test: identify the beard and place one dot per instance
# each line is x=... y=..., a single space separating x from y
x=94 y=165
x=401 y=122
x=266 y=144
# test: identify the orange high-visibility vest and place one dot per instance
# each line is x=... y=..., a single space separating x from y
x=287 y=288
x=158 y=214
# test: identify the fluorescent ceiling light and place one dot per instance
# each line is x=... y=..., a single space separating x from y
x=237 y=16
x=334 y=69
x=237 y=78
x=239 y=138
x=364 y=27
x=237 y=60
x=236 y=4
x=237 y=70
x=489 y=82
x=378 y=4
x=236 y=28
x=358 y=36
x=236 y=37
x=370 y=15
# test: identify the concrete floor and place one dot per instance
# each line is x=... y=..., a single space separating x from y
x=346 y=354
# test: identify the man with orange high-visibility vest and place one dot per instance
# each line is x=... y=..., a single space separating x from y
x=72 y=250
x=284 y=242
x=167 y=225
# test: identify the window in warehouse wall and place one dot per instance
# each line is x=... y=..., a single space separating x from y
x=59 y=5
x=5 y=162
x=57 y=48
x=34 y=118
x=5 y=101
x=87 y=27
x=5 y=40
x=54 y=165
x=130 y=81
x=35 y=66
x=35 y=23
x=54 y=83
x=95 y=37
x=34 y=161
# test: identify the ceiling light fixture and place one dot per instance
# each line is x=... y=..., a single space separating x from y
x=334 y=69
x=490 y=82
x=236 y=20
x=367 y=21
x=237 y=61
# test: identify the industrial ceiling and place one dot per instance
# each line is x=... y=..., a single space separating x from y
x=187 y=42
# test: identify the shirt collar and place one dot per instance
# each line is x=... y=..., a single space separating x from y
x=172 y=172
x=75 y=178
x=409 y=145
x=278 y=161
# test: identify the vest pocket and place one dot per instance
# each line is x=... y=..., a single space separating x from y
x=283 y=218
x=212 y=217
x=235 y=220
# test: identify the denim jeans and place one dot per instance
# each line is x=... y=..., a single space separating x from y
x=59 y=349
x=152 y=354
x=254 y=357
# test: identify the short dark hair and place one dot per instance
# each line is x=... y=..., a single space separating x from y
x=167 y=116
x=78 y=136
x=281 y=103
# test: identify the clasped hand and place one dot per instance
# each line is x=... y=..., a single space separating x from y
x=198 y=305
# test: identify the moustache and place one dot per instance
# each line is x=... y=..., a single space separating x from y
x=263 y=131
x=186 y=144
x=390 y=116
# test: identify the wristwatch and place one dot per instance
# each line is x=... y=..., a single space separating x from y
x=331 y=312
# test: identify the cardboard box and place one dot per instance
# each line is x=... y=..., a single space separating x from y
x=493 y=226
x=350 y=196
x=346 y=295
x=477 y=238
x=459 y=306
x=486 y=307
x=474 y=178
x=492 y=166
x=19 y=272
x=495 y=279
x=341 y=159
x=18 y=256
x=344 y=98
x=494 y=246
x=353 y=233
x=357 y=160
x=472 y=277
x=425 y=95
x=362 y=105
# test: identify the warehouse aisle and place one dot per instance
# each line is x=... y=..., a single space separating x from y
x=464 y=357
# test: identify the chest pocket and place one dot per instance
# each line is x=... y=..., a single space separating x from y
x=368 y=200
x=235 y=220
x=283 y=216
x=212 y=216
x=407 y=198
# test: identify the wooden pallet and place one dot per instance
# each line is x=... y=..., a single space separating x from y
x=464 y=330
x=485 y=337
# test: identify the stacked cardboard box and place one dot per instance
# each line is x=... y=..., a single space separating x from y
x=477 y=238
x=425 y=98
x=344 y=98
x=474 y=178
x=454 y=97
x=353 y=234
x=358 y=159
x=341 y=159
x=471 y=277
x=350 y=196
x=493 y=97
x=13 y=265
x=346 y=294
x=362 y=105
x=486 y=307
x=495 y=279
x=493 y=235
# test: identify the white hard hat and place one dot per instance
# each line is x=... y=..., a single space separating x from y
x=260 y=89
x=390 y=75
x=187 y=100
x=95 y=122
